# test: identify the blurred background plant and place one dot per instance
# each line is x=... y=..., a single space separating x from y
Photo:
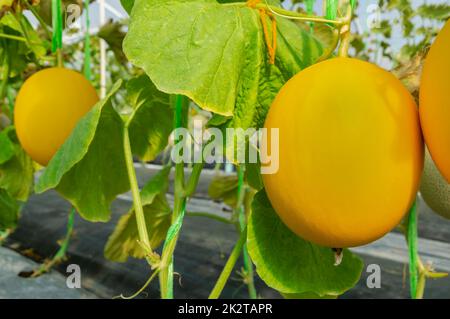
x=389 y=32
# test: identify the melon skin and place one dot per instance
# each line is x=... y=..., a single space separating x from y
x=434 y=188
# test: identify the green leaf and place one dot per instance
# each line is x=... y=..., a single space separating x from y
x=127 y=5
x=217 y=120
x=253 y=175
x=216 y=55
x=151 y=123
x=16 y=173
x=9 y=210
x=292 y=265
x=89 y=169
x=224 y=188
x=123 y=242
x=385 y=28
x=18 y=54
x=23 y=28
x=434 y=11
x=6 y=147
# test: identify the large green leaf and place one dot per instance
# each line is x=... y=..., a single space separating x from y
x=123 y=242
x=16 y=171
x=292 y=265
x=151 y=122
x=9 y=210
x=216 y=55
x=89 y=169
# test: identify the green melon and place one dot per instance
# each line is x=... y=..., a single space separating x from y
x=434 y=188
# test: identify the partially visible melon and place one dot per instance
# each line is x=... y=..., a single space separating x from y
x=434 y=188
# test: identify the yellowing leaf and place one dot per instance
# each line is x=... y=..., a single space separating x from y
x=123 y=242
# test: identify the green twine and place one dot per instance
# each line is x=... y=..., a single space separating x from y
x=174 y=229
x=180 y=100
x=87 y=43
x=331 y=9
x=172 y=234
x=57 y=24
x=412 y=249
x=309 y=10
x=309 y=6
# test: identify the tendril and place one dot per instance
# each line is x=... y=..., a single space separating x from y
x=140 y=290
x=271 y=45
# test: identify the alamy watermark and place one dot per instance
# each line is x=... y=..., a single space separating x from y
x=374 y=279
x=73 y=280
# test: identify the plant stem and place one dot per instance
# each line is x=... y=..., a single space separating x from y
x=59 y=58
x=39 y=18
x=20 y=18
x=223 y=278
x=241 y=212
x=5 y=78
x=429 y=273
x=13 y=37
x=345 y=44
x=248 y=266
x=181 y=105
x=412 y=249
x=295 y=15
x=181 y=193
x=61 y=253
x=65 y=244
x=417 y=271
x=420 y=286
x=166 y=265
x=345 y=33
x=137 y=203
x=193 y=181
